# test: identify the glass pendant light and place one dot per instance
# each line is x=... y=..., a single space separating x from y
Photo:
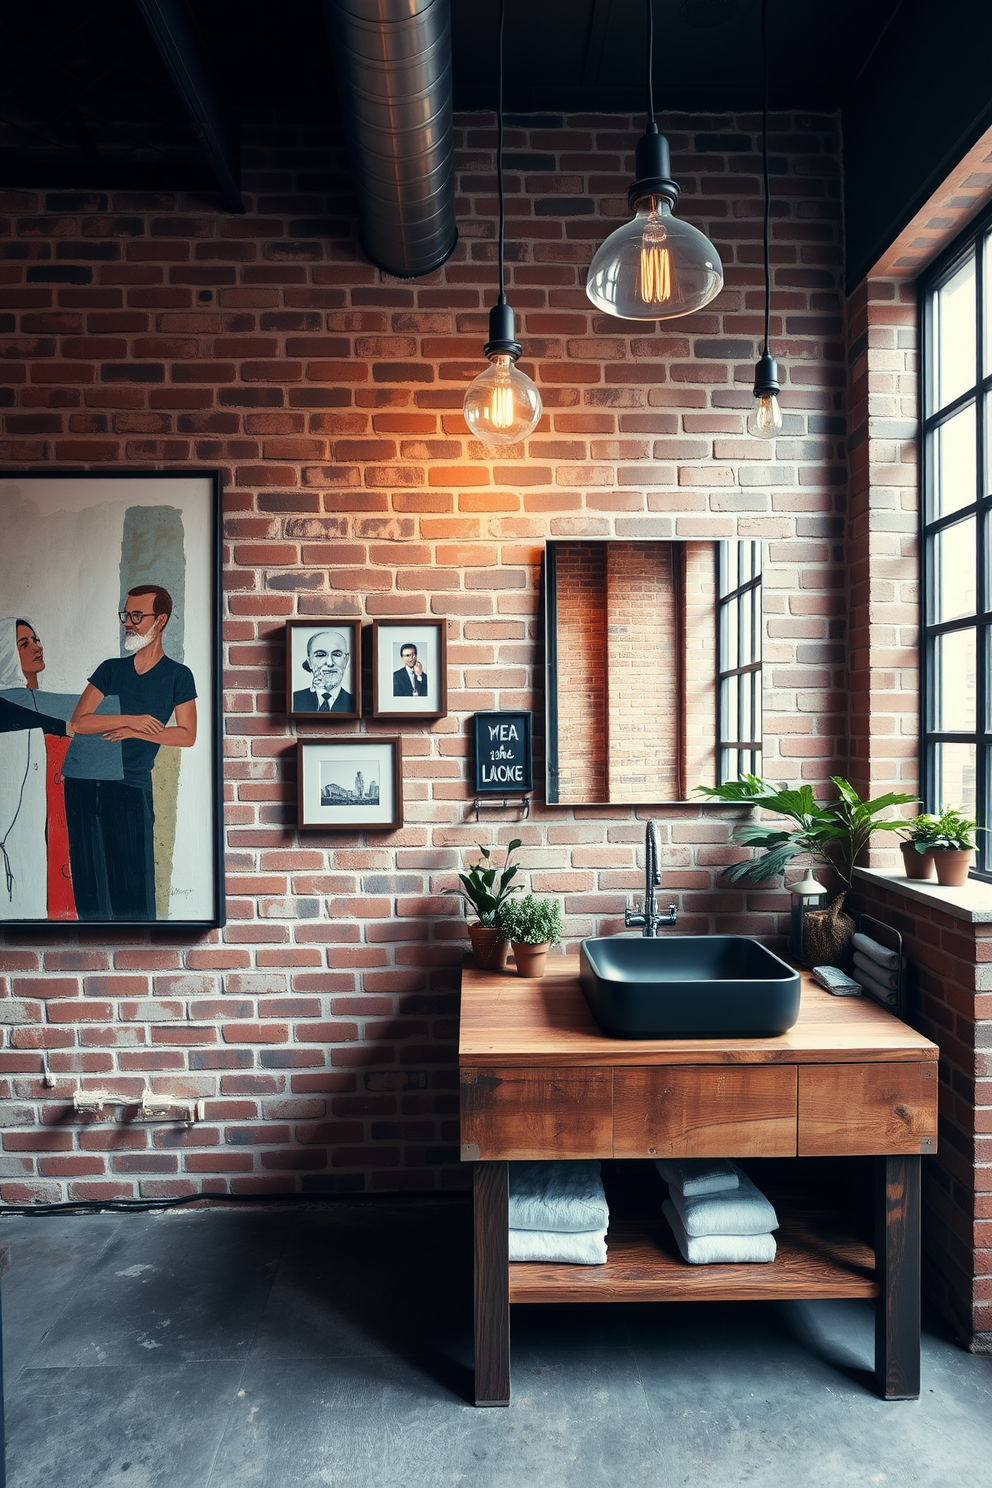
x=765 y=419
x=502 y=405
x=655 y=267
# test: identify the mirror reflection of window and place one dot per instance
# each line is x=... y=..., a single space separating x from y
x=633 y=669
x=739 y=631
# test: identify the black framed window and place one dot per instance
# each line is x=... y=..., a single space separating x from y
x=956 y=385
x=738 y=659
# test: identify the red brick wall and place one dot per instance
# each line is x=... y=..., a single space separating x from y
x=319 y=1027
x=644 y=650
x=582 y=673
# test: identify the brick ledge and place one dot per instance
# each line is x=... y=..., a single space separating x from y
x=972 y=902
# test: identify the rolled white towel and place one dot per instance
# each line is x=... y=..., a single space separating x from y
x=578 y=1248
x=879 y=973
x=740 y=1211
x=563 y=1196
x=698 y=1175
x=881 y=954
x=708 y=1250
x=877 y=989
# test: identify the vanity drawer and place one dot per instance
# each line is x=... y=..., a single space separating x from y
x=705 y=1111
x=521 y=1114
x=850 y=1110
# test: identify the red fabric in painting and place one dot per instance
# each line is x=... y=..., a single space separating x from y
x=61 y=901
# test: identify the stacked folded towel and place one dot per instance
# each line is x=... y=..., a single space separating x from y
x=716 y=1212
x=558 y=1212
x=877 y=968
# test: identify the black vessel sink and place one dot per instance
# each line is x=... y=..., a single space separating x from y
x=687 y=986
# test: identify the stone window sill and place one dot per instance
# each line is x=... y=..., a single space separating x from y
x=972 y=902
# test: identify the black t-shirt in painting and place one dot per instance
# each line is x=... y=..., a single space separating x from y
x=158 y=692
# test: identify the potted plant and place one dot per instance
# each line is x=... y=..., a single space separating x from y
x=834 y=834
x=533 y=926
x=950 y=838
x=916 y=846
x=488 y=896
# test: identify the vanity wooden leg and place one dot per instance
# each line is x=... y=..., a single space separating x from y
x=897 y=1263
x=490 y=1200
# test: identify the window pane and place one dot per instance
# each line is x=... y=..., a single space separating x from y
x=954 y=463
x=956 y=777
x=955 y=691
x=728 y=712
x=954 y=324
x=954 y=571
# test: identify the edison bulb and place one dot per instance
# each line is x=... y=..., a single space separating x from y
x=502 y=405
x=765 y=419
x=655 y=267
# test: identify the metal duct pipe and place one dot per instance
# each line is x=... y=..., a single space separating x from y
x=392 y=61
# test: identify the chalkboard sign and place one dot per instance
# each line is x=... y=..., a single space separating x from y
x=504 y=762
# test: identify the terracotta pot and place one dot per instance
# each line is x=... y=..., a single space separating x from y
x=489 y=946
x=917 y=865
x=952 y=865
x=531 y=959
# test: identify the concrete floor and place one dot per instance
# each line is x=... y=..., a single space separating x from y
x=266 y=1347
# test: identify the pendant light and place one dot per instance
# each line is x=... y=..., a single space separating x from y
x=502 y=405
x=765 y=420
x=656 y=267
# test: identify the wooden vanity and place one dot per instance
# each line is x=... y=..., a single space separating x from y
x=539 y=1080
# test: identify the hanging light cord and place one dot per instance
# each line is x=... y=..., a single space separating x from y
x=651 y=117
x=499 y=154
x=764 y=167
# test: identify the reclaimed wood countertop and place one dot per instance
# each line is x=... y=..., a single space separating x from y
x=508 y=1018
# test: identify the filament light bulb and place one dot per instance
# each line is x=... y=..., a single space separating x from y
x=502 y=405
x=766 y=418
x=655 y=267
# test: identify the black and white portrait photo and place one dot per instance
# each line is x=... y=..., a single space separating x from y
x=323 y=668
x=409 y=669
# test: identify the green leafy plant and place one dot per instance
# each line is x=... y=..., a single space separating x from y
x=531 y=921
x=951 y=829
x=833 y=833
x=487 y=889
x=918 y=833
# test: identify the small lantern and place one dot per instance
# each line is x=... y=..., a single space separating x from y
x=805 y=896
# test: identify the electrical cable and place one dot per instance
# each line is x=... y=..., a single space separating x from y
x=499 y=153
x=651 y=115
x=764 y=168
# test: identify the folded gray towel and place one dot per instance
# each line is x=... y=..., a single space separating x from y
x=698 y=1175
x=881 y=954
x=877 y=989
x=878 y=973
x=740 y=1211
x=563 y=1196
x=586 y=1248
x=708 y=1250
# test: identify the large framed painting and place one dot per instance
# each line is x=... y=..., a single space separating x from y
x=110 y=766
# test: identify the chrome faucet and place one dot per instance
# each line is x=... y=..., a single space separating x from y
x=649 y=921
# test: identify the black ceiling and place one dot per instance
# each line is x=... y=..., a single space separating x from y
x=86 y=99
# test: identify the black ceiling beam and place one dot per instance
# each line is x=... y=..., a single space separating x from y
x=175 y=34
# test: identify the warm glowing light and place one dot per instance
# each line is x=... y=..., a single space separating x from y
x=766 y=419
x=656 y=262
x=502 y=405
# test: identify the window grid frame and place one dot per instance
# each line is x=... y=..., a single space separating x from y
x=974 y=244
x=743 y=593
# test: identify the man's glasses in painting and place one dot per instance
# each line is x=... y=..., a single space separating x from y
x=330 y=656
x=135 y=617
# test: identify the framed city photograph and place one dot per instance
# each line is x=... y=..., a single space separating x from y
x=349 y=782
x=110 y=767
x=409 y=668
x=324 y=669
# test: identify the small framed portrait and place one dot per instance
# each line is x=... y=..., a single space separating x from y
x=409 y=668
x=324 y=669
x=349 y=782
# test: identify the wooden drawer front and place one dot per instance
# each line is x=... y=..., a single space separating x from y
x=705 y=1111
x=847 y=1110
x=535 y=1113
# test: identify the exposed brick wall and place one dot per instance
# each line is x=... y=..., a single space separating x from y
x=158 y=331
x=643 y=648
x=582 y=671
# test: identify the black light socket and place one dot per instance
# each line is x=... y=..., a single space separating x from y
x=653 y=169
x=766 y=381
x=502 y=333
